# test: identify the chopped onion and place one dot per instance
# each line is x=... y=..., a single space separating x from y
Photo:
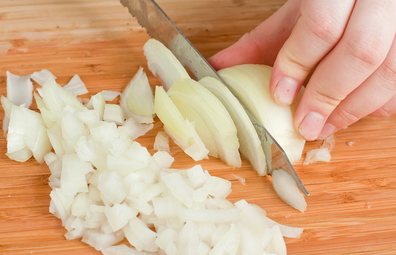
x=134 y=129
x=161 y=142
x=76 y=86
x=110 y=95
x=251 y=84
x=322 y=154
x=19 y=89
x=97 y=103
x=214 y=115
x=107 y=187
x=163 y=64
x=182 y=131
x=113 y=113
x=286 y=188
x=140 y=236
x=137 y=99
x=25 y=140
x=42 y=76
x=239 y=178
x=250 y=145
x=7 y=105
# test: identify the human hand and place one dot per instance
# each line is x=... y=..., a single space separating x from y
x=352 y=45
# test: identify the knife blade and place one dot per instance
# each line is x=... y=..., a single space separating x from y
x=160 y=27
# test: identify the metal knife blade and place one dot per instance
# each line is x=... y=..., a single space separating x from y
x=159 y=26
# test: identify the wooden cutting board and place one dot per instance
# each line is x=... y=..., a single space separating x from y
x=352 y=207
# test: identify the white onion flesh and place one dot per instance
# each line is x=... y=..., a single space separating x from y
x=42 y=76
x=322 y=154
x=251 y=84
x=19 y=89
x=213 y=114
x=286 y=188
x=76 y=86
x=181 y=130
x=137 y=99
x=107 y=187
x=161 y=142
x=110 y=95
x=250 y=145
x=163 y=64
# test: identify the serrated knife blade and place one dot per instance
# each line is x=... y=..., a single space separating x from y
x=159 y=26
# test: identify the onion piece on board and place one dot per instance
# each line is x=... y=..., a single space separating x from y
x=286 y=188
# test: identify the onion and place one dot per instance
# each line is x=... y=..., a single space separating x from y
x=213 y=114
x=163 y=64
x=161 y=142
x=107 y=187
x=110 y=95
x=137 y=99
x=250 y=145
x=134 y=129
x=42 y=76
x=321 y=154
x=181 y=130
x=113 y=113
x=251 y=84
x=76 y=86
x=25 y=140
x=286 y=188
x=19 y=89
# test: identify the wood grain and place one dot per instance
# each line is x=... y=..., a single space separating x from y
x=352 y=205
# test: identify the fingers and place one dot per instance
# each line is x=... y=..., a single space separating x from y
x=362 y=49
x=386 y=110
x=261 y=45
x=317 y=31
x=375 y=97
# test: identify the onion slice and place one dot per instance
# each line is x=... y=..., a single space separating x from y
x=19 y=89
x=214 y=115
x=76 y=86
x=137 y=99
x=286 y=188
x=42 y=76
x=182 y=131
x=163 y=64
x=250 y=145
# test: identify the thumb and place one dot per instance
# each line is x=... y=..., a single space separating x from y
x=261 y=45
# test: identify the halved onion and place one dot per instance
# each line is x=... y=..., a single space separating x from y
x=250 y=145
x=251 y=84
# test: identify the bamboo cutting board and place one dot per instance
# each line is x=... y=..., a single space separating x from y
x=352 y=207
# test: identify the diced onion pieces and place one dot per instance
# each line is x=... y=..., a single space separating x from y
x=107 y=187
x=137 y=99
x=161 y=142
x=42 y=76
x=322 y=154
x=19 y=89
x=76 y=86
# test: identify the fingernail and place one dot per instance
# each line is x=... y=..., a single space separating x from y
x=311 y=126
x=327 y=130
x=285 y=91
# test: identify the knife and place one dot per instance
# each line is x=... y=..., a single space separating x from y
x=160 y=27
